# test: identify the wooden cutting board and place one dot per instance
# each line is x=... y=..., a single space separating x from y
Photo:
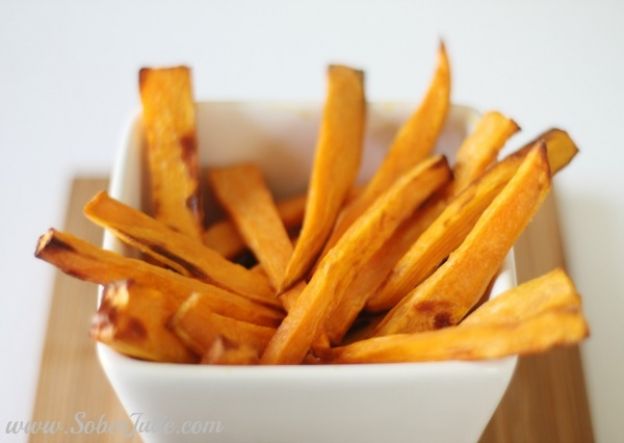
x=545 y=402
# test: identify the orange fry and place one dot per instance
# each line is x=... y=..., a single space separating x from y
x=414 y=142
x=303 y=324
x=336 y=164
x=224 y=238
x=242 y=192
x=553 y=290
x=198 y=327
x=169 y=125
x=178 y=251
x=449 y=293
x=554 y=327
x=481 y=147
x=132 y=320
x=88 y=262
x=560 y=147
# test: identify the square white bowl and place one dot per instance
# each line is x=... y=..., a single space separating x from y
x=429 y=402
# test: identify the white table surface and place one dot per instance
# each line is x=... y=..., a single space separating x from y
x=68 y=81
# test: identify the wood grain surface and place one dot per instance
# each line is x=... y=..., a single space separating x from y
x=71 y=380
x=545 y=402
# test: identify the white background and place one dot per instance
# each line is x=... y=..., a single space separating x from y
x=68 y=81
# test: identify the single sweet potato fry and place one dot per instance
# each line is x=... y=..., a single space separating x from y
x=198 y=326
x=553 y=290
x=449 y=293
x=414 y=142
x=560 y=148
x=553 y=327
x=480 y=148
x=547 y=296
x=242 y=192
x=132 y=319
x=224 y=238
x=336 y=164
x=169 y=125
x=455 y=221
x=304 y=322
x=178 y=251
x=88 y=262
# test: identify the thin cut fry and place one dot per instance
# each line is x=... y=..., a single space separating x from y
x=302 y=326
x=414 y=142
x=132 y=320
x=449 y=293
x=178 y=251
x=336 y=164
x=242 y=192
x=553 y=290
x=561 y=149
x=554 y=327
x=224 y=238
x=449 y=229
x=481 y=147
x=169 y=125
x=88 y=262
x=198 y=327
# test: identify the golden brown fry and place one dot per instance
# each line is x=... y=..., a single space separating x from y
x=449 y=293
x=446 y=232
x=414 y=142
x=242 y=192
x=336 y=164
x=222 y=352
x=88 y=262
x=302 y=326
x=169 y=125
x=132 y=320
x=554 y=327
x=224 y=238
x=480 y=148
x=553 y=290
x=198 y=326
x=560 y=147
x=178 y=251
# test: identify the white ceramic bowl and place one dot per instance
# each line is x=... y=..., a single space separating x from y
x=427 y=402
